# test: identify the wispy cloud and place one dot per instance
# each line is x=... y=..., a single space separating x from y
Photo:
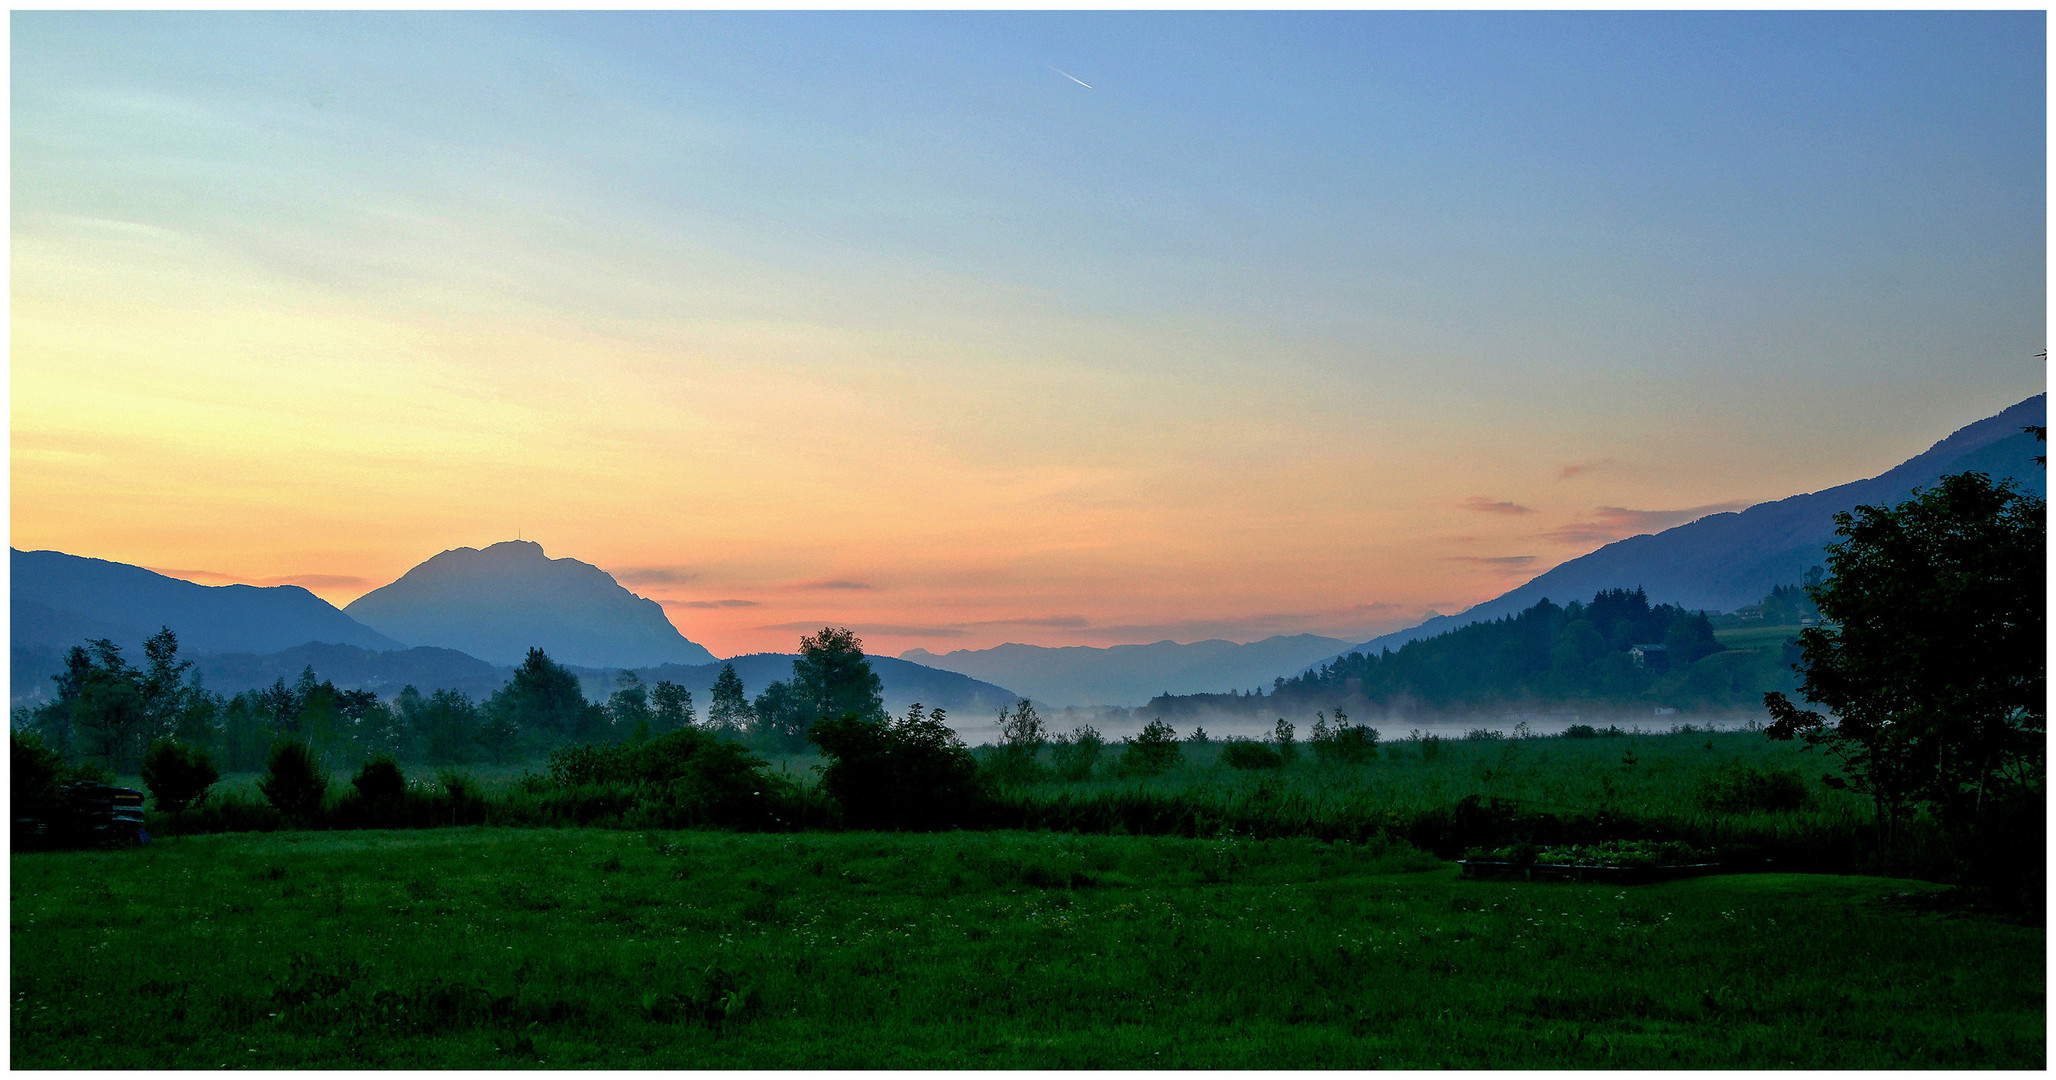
x=305 y=581
x=1484 y=505
x=1609 y=523
x=890 y=629
x=1502 y=562
x=708 y=603
x=318 y=581
x=1577 y=467
x=653 y=575
x=835 y=584
x=1066 y=622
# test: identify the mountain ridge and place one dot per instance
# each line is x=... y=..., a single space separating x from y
x=497 y=602
x=1787 y=535
x=58 y=599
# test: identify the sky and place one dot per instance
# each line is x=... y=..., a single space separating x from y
x=1064 y=328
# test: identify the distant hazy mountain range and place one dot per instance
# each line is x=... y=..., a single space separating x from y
x=499 y=602
x=61 y=600
x=242 y=637
x=1132 y=674
x=1726 y=561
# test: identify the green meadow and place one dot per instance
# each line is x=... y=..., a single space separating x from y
x=481 y=947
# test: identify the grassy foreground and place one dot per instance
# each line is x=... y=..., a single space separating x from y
x=498 y=948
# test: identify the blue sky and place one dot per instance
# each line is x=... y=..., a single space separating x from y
x=765 y=298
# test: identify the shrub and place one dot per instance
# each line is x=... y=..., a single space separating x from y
x=1151 y=752
x=1281 y=737
x=1346 y=743
x=1021 y=736
x=1739 y=788
x=1431 y=747
x=1245 y=754
x=294 y=783
x=910 y=774
x=687 y=776
x=466 y=804
x=1077 y=752
x=1580 y=731
x=380 y=780
x=36 y=772
x=177 y=775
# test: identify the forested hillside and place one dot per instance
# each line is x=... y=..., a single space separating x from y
x=1617 y=650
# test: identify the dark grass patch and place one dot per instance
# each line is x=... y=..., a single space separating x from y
x=996 y=950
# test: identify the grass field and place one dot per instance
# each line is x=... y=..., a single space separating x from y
x=1756 y=637
x=509 y=948
x=1646 y=775
x=1650 y=774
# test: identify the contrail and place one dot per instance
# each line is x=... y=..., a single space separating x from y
x=1070 y=76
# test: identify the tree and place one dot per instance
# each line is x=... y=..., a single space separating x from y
x=294 y=783
x=671 y=707
x=1152 y=751
x=1077 y=751
x=1931 y=657
x=729 y=710
x=542 y=699
x=832 y=676
x=449 y=724
x=162 y=684
x=176 y=775
x=911 y=773
x=110 y=719
x=780 y=718
x=628 y=707
x=1021 y=738
x=1281 y=739
x=1689 y=638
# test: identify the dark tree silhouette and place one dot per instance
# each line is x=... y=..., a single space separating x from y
x=1932 y=659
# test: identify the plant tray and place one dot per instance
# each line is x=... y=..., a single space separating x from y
x=1617 y=875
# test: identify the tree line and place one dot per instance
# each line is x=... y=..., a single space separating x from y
x=108 y=711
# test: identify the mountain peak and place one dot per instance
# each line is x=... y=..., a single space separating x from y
x=499 y=601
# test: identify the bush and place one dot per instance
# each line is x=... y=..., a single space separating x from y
x=1346 y=744
x=465 y=803
x=1431 y=747
x=1739 y=788
x=1245 y=754
x=1021 y=736
x=1580 y=731
x=380 y=780
x=907 y=774
x=1077 y=752
x=1151 y=752
x=177 y=775
x=1281 y=738
x=294 y=783
x=36 y=773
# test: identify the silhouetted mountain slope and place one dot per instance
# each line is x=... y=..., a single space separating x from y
x=60 y=600
x=1725 y=561
x=1132 y=674
x=497 y=603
